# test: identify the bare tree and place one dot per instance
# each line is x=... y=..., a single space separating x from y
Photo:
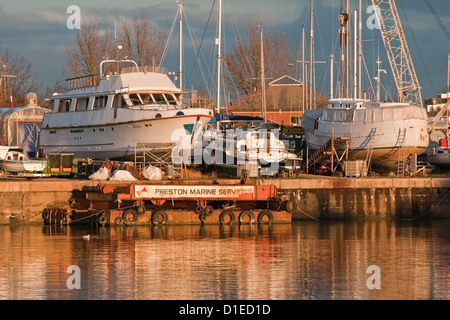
x=91 y=45
x=142 y=41
x=16 y=79
x=243 y=63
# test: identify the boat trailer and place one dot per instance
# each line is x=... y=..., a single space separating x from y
x=130 y=204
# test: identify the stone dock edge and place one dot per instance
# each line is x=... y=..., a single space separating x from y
x=316 y=198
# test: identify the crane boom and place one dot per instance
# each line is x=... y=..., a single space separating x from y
x=398 y=53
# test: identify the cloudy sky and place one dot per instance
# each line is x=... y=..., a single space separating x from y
x=38 y=30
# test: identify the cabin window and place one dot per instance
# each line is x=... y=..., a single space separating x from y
x=82 y=104
x=159 y=97
x=180 y=113
x=146 y=98
x=158 y=115
x=339 y=115
x=100 y=102
x=135 y=99
x=172 y=99
x=64 y=105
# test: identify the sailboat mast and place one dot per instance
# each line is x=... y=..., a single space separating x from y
x=331 y=75
x=219 y=57
x=303 y=67
x=180 y=9
x=355 y=56
x=311 y=53
x=360 y=58
x=448 y=75
x=263 y=79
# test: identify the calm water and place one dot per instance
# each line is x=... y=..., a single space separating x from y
x=305 y=260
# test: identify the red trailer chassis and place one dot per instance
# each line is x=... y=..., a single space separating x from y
x=129 y=204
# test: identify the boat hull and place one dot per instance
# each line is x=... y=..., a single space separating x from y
x=385 y=141
x=439 y=157
x=24 y=166
x=121 y=140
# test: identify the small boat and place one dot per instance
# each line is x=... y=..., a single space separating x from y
x=13 y=160
x=258 y=146
x=439 y=157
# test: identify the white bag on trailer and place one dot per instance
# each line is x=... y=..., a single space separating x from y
x=102 y=174
x=122 y=175
x=152 y=173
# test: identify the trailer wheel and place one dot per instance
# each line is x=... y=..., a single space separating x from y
x=226 y=217
x=208 y=210
x=243 y=217
x=141 y=210
x=129 y=217
x=290 y=206
x=263 y=214
x=159 y=217
x=118 y=221
x=199 y=209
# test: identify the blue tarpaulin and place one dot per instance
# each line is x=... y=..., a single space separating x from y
x=234 y=118
x=28 y=134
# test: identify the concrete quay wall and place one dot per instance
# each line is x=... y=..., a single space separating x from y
x=322 y=198
x=367 y=198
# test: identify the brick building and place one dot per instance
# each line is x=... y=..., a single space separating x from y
x=284 y=102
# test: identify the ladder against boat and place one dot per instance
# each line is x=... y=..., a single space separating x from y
x=401 y=156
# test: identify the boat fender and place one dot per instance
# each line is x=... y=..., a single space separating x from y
x=244 y=214
x=265 y=213
x=118 y=221
x=129 y=216
x=224 y=214
x=159 y=217
x=46 y=214
x=199 y=209
x=103 y=219
x=208 y=210
x=141 y=210
x=202 y=217
x=64 y=217
x=290 y=206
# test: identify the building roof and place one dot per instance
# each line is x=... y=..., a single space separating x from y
x=284 y=94
x=286 y=81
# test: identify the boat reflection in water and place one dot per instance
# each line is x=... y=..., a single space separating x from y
x=303 y=260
